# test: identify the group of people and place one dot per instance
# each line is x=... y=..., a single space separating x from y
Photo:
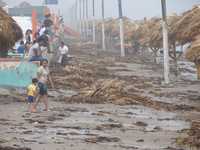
x=34 y=49
x=37 y=51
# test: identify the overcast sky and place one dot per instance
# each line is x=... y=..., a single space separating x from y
x=135 y=9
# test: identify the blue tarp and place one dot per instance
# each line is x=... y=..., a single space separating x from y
x=21 y=76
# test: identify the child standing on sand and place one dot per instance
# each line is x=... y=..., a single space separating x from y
x=32 y=93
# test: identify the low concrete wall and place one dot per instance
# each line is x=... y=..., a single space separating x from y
x=8 y=63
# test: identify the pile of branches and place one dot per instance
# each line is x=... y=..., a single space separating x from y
x=103 y=91
x=116 y=91
x=12 y=148
x=81 y=75
x=193 y=139
x=74 y=77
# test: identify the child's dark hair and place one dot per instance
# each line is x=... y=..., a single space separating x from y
x=22 y=42
x=34 y=80
x=42 y=61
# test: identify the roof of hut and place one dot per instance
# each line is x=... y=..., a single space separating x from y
x=149 y=33
x=193 y=52
x=188 y=26
x=10 y=32
x=112 y=27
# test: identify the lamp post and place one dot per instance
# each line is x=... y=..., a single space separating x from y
x=93 y=28
x=76 y=15
x=103 y=26
x=86 y=19
x=121 y=24
x=80 y=17
x=165 y=42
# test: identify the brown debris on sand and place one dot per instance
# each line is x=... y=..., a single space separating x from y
x=110 y=91
x=193 y=138
x=12 y=148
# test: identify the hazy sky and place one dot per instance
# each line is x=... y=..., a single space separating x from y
x=135 y=9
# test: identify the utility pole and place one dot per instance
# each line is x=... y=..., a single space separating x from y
x=103 y=27
x=80 y=19
x=87 y=18
x=121 y=24
x=165 y=42
x=71 y=17
x=93 y=28
x=76 y=15
x=83 y=5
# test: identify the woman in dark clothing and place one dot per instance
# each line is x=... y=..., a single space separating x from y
x=28 y=36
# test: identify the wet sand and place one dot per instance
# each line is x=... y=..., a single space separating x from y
x=72 y=126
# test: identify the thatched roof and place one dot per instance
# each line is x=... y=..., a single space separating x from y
x=188 y=27
x=10 y=32
x=112 y=27
x=193 y=52
x=149 y=33
x=172 y=21
x=187 y=30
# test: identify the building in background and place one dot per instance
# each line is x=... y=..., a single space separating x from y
x=25 y=10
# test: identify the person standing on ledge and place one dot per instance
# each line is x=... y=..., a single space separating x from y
x=63 y=53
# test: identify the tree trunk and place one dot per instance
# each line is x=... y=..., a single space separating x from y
x=176 y=67
x=155 y=57
x=155 y=54
x=175 y=59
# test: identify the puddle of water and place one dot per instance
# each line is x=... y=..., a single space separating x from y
x=168 y=125
x=154 y=119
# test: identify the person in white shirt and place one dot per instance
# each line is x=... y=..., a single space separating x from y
x=63 y=52
x=31 y=50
